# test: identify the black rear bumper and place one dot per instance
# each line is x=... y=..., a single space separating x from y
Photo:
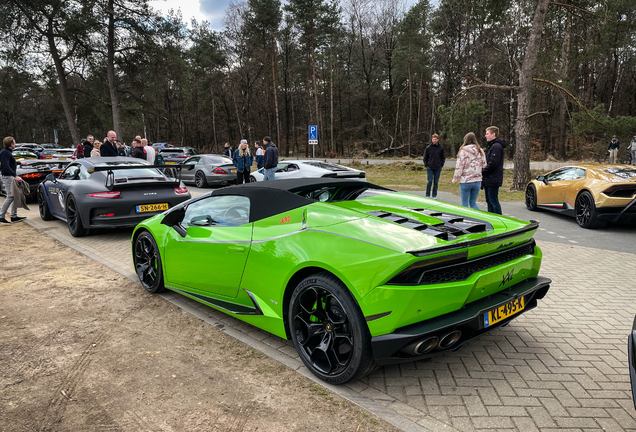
x=618 y=214
x=390 y=348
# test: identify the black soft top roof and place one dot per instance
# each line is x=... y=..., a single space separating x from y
x=268 y=198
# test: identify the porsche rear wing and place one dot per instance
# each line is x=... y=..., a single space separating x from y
x=110 y=175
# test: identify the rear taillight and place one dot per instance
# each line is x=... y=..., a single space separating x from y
x=107 y=215
x=57 y=171
x=181 y=190
x=113 y=194
x=218 y=170
x=34 y=175
x=182 y=157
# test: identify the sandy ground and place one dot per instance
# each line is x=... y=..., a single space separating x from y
x=82 y=348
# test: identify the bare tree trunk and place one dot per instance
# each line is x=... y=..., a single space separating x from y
x=522 y=128
x=274 y=57
x=238 y=117
x=110 y=65
x=410 y=103
x=216 y=145
x=331 y=148
x=68 y=111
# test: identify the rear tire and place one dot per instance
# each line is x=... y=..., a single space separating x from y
x=585 y=212
x=329 y=331
x=45 y=213
x=199 y=180
x=531 y=197
x=74 y=219
x=147 y=261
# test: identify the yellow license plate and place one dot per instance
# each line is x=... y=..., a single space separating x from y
x=169 y=163
x=504 y=311
x=62 y=158
x=151 y=207
x=232 y=171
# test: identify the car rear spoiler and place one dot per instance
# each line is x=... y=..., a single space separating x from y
x=110 y=175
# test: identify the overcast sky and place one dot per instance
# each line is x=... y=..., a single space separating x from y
x=211 y=10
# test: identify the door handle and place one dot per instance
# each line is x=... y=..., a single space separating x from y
x=236 y=249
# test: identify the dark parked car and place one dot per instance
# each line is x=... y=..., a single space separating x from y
x=177 y=155
x=208 y=169
x=34 y=171
x=108 y=192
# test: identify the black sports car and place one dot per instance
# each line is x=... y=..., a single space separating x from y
x=108 y=192
x=34 y=171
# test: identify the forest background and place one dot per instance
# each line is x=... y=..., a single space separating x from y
x=376 y=76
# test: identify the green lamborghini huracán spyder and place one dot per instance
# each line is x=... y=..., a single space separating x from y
x=354 y=274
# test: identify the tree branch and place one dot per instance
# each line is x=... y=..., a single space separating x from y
x=571 y=96
x=573 y=7
x=538 y=112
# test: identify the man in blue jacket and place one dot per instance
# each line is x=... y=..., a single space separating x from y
x=492 y=174
x=271 y=159
x=9 y=166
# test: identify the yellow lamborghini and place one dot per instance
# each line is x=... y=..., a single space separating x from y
x=593 y=194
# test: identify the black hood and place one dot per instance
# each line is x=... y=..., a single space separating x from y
x=497 y=140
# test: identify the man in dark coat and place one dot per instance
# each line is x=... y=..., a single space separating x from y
x=227 y=151
x=88 y=146
x=271 y=159
x=434 y=159
x=108 y=146
x=492 y=174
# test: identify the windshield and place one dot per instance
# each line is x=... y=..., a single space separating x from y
x=327 y=166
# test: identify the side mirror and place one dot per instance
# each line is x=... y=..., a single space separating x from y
x=51 y=177
x=175 y=217
x=542 y=179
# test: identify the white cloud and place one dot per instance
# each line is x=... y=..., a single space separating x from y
x=201 y=10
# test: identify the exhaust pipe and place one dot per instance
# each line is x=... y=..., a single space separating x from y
x=449 y=339
x=224 y=183
x=421 y=347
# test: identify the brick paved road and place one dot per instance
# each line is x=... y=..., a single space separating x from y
x=560 y=367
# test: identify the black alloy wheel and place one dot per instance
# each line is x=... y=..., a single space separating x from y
x=329 y=331
x=531 y=198
x=199 y=180
x=45 y=213
x=148 y=263
x=252 y=179
x=585 y=210
x=74 y=219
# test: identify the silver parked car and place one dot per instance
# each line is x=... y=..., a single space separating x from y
x=208 y=169
x=310 y=169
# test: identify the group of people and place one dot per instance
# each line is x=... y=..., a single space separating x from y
x=243 y=159
x=474 y=169
x=111 y=146
x=615 y=144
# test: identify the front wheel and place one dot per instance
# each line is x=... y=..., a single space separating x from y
x=199 y=180
x=329 y=331
x=147 y=262
x=45 y=213
x=252 y=179
x=586 y=215
x=74 y=219
x=531 y=198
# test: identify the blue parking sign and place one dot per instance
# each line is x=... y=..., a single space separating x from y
x=313 y=132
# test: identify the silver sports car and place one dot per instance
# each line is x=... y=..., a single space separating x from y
x=208 y=169
x=294 y=169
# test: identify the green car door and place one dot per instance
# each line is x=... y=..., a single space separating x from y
x=210 y=258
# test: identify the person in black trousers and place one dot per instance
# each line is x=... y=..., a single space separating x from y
x=243 y=161
x=492 y=174
x=434 y=159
